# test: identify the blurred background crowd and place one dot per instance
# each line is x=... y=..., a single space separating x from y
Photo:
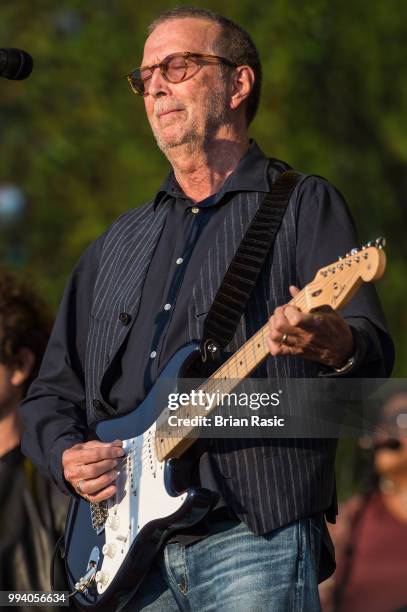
x=76 y=151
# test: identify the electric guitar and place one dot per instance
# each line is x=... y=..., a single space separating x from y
x=109 y=546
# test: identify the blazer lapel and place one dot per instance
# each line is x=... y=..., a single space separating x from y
x=120 y=284
x=240 y=212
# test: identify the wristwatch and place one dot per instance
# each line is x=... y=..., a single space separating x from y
x=347 y=366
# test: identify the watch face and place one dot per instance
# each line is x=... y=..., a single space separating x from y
x=347 y=365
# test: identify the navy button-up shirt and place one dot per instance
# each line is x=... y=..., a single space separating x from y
x=159 y=329
x=189 y=229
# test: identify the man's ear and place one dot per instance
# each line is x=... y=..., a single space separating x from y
x=21 y=372
x=242 y=84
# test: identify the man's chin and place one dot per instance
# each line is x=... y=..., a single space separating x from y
x=167 y=142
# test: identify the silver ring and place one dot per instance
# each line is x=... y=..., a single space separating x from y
x=79 y=487
x=284 y=339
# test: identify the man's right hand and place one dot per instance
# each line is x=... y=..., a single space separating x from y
x=91 y=468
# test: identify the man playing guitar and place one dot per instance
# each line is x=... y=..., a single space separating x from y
x=142 y=290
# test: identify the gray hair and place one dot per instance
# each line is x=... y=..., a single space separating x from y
x=233 y=43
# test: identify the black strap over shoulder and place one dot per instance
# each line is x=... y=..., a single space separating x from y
x=233 y=294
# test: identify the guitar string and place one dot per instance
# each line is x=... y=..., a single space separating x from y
x=245 y=354
x=299 y=300
x=209 y=385
x=242 y=352
x=234 y=359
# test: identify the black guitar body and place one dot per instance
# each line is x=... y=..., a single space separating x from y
x=83 y=544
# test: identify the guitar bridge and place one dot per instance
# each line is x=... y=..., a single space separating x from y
x=98 y=515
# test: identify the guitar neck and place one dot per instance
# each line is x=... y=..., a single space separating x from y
x=333 y=285
x=226 y=378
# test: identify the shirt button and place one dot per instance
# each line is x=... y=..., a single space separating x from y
x=124 y=318
x=195 y=210
x=167 y=307
x=97 y=403
x=153 y=354
x=179 y=260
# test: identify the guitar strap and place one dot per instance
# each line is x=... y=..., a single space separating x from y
x=241 y=276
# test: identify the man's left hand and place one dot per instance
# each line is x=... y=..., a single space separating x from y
x=322 y=335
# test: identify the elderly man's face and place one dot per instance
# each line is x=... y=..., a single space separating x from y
x=191 y=111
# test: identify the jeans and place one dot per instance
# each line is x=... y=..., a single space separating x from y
x=235 y=570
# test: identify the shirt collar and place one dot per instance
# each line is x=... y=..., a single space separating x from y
x=249 y=175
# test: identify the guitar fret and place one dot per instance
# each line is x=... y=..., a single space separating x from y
x=324 y=289
x=142 y=494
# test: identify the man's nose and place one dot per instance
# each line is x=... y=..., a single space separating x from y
x=157 y=84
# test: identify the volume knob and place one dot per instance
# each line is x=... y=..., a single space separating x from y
x=109 y=550
x=113 y=522
x=102 y=578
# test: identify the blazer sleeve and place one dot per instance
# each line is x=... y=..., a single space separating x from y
x=325 y=230
x=54 y=411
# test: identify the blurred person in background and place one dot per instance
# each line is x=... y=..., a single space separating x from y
x=370 y=535
x=32 y=510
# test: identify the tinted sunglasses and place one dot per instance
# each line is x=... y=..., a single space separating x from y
x=174 y=68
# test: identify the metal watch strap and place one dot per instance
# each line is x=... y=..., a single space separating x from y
x=347 y=366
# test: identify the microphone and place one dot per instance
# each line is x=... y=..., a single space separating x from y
x=15 y=64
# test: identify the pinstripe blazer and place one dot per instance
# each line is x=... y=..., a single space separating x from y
x=268 y=483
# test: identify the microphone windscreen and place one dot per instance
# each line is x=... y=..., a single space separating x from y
x=15 y=64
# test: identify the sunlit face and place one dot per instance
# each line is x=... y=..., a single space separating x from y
x=190 y=112
x=387 y=461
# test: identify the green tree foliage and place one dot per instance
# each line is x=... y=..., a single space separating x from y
x=76 y=141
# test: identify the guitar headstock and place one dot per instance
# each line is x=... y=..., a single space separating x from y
x=335 y=284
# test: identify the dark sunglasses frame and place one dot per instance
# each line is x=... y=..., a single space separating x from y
x=137 y=83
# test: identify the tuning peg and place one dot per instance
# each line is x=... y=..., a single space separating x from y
x=340 y=258
x=354 y=251
x=369 y=244
x=380 y=242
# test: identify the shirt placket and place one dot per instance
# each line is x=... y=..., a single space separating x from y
x=187 y=234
